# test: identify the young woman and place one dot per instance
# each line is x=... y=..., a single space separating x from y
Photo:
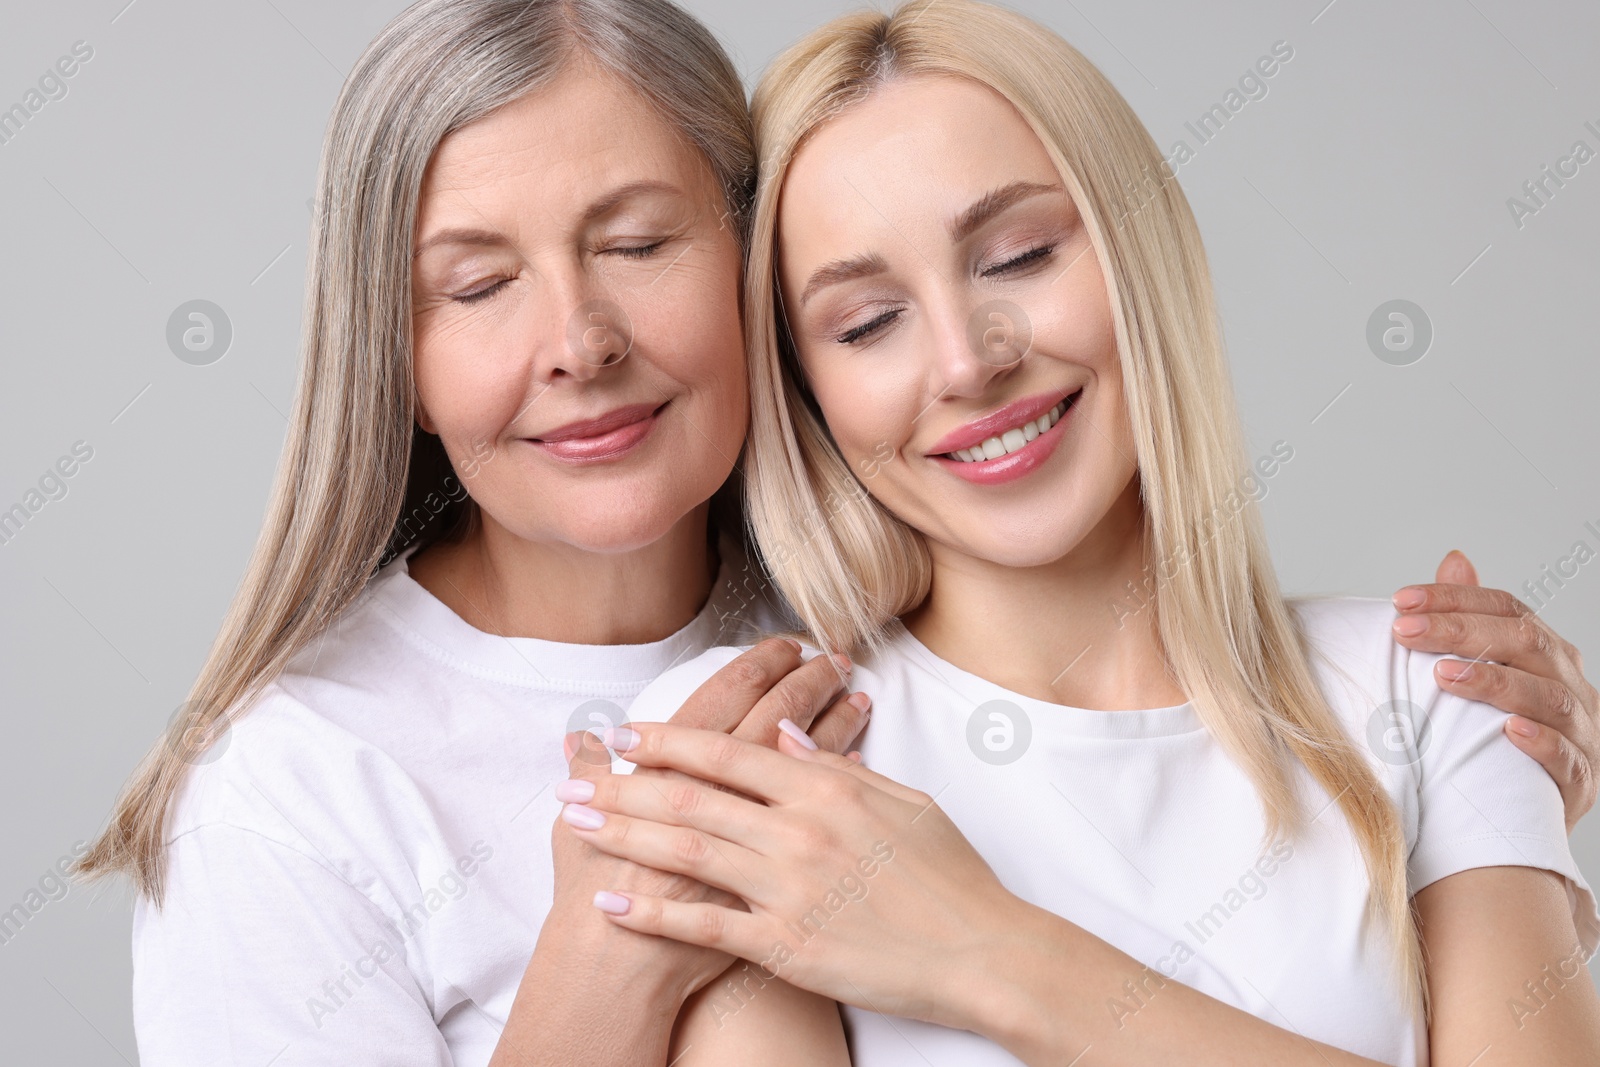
x=523 y=388
x=1187 y=828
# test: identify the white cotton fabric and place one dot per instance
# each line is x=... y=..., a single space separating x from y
x=359 y=869
x=1135 y=826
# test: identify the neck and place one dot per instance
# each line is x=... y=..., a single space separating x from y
x=504 y=584
x=1068 y=632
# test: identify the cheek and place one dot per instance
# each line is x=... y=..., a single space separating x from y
x=870 y=403
x=467 y=386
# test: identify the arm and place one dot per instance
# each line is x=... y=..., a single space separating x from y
x=938 y=938
x=746 y=1016
x=1537 y=676
x=1506 y=971
x=261 y=951
x=583 y=968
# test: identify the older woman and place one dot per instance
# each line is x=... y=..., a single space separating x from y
x=524 y=395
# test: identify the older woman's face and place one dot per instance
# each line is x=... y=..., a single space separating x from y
x=576 y=301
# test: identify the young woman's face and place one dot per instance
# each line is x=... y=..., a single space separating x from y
x=576 y=311
x=944 y=297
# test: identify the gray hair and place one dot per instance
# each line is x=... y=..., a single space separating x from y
x=356 y=470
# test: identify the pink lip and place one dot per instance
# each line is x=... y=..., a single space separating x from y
x=997 y=422
x=610 y=436
x=1012 y=465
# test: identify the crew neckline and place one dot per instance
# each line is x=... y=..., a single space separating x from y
x=543 y=664
x=1046 y=717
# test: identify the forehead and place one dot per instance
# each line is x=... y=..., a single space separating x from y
x=583 y=131
x=913 y=154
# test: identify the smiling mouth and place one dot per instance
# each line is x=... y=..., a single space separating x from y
x=1014 y=439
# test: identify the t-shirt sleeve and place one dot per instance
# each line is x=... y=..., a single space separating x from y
x=261 y=954
x=1482 y=802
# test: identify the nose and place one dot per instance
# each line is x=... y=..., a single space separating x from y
x=592 y=333
x=974 y=346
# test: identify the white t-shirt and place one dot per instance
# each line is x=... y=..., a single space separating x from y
x=359 y=869
x=1140 y=830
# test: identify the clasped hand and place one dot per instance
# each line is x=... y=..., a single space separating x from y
x=858 y=888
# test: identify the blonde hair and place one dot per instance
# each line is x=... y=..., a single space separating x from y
x=1230 y=640
x=358 y=480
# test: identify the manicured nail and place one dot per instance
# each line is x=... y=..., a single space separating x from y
x=621 y=739
x=860 y=701
x=1411 y=626
x=842 y=661
x=1455 y=670
x=798 y=734
x=575 y=791
x=1409 y=597
x=1524 y=727
x=612 y=903
x=583 y=818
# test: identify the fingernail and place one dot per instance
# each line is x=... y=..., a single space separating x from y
x=583 y=818
x=794 y=644
x=842 y=661
x=1524 y=727
x=1411 y=626
x=1410 y=597
x=612 y=903
x=860 y=701
x=854 y=757
x=575 y=791
x=621 y=739
x=1455 y=670
x=798 y=734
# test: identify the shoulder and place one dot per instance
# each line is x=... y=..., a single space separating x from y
x=1363 y=671
x=660 y=700
x=292 y=778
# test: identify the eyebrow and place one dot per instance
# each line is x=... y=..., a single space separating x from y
x=993 y=202
x=961 y=227
x=843 y=270
x=606 y=204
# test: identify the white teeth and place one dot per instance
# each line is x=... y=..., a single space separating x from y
x=1012 y=439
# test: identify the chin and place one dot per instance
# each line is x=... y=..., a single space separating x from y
x=623 y=522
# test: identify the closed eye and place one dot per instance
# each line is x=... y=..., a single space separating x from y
x=637 y=251
x=481 y=294
x=850 y=337
x=1033 y=255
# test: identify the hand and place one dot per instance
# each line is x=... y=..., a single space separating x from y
x=857 y=888
x=1537 y=675
x=749 y=696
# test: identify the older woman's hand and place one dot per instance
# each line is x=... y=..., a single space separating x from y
x=1535 y=674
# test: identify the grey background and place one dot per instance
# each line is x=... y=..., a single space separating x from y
x=179 y=165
